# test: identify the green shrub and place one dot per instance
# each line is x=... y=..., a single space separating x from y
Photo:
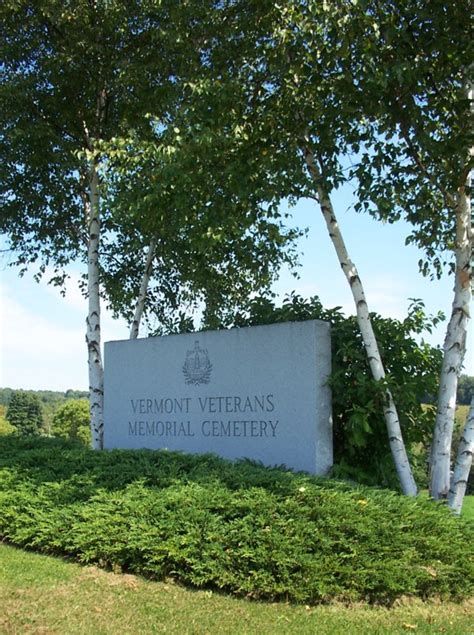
x=72 y=421
x=239 y=527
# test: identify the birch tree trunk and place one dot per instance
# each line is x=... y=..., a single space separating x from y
x=395 y=437
x=96 y=373
x=463 y=464
x=455 y=342
x=140 y=304
x=454 y=349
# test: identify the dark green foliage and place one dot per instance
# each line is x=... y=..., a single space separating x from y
x=75 y=394
x=252 y=531
x=25 y=413
x=360 y=438
x=5 y=427
x=465 y=390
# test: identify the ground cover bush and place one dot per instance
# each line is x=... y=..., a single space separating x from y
x=241 y=528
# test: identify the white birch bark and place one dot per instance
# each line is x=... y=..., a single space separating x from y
x=96 y=373
x=463 y=464
x=140 y=304
x=395 y=437
x=454 y=349
x=455 y=342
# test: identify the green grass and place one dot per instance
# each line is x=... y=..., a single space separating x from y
x=42 y=594
x=468 y=508
x=461 y=415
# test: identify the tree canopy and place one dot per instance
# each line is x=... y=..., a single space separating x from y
x=72 y=421
x=83 y=80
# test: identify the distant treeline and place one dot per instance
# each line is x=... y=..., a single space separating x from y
x=49 y=402
x=53 y=398
x=47 y=397
x=45 y=413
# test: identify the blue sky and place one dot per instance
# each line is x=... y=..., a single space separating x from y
x=42 y=342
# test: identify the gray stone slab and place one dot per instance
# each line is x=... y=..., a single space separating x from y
x=258 y=392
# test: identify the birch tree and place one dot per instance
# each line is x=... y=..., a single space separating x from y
x=76 y=77
x=141 y=300
x=208 y=245
x=70 y=77
x=418 y=158
x=290 y=111
x=395 y=437
x=383 y=86
x=463 y=464
x=51 y=110
x=387 y=87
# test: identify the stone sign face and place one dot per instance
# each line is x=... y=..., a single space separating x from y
x=259 y=392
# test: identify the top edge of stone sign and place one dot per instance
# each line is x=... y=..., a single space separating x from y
x=296 y=323
x=257 y=392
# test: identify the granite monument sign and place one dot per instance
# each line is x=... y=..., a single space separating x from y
x=259 y=392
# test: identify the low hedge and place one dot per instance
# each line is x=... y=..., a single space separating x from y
x=238 y=527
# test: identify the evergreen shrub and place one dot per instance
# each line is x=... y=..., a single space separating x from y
x=25 y=413
x=237 y=527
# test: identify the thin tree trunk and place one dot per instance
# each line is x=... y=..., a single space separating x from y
x=96 y=373
x=463 y=464
x=396 y=442
x=454 y=349
x=140 y=305
x=455 y=342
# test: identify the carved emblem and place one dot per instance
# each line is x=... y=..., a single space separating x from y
x=197 y=367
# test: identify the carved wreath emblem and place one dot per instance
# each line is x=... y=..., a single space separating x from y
x=197 y=367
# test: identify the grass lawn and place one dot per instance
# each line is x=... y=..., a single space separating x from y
x=468 y=508
x=41 y=594
x=461 y=415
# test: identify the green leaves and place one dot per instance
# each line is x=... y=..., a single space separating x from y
x=72 y=421
x=412 y=91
